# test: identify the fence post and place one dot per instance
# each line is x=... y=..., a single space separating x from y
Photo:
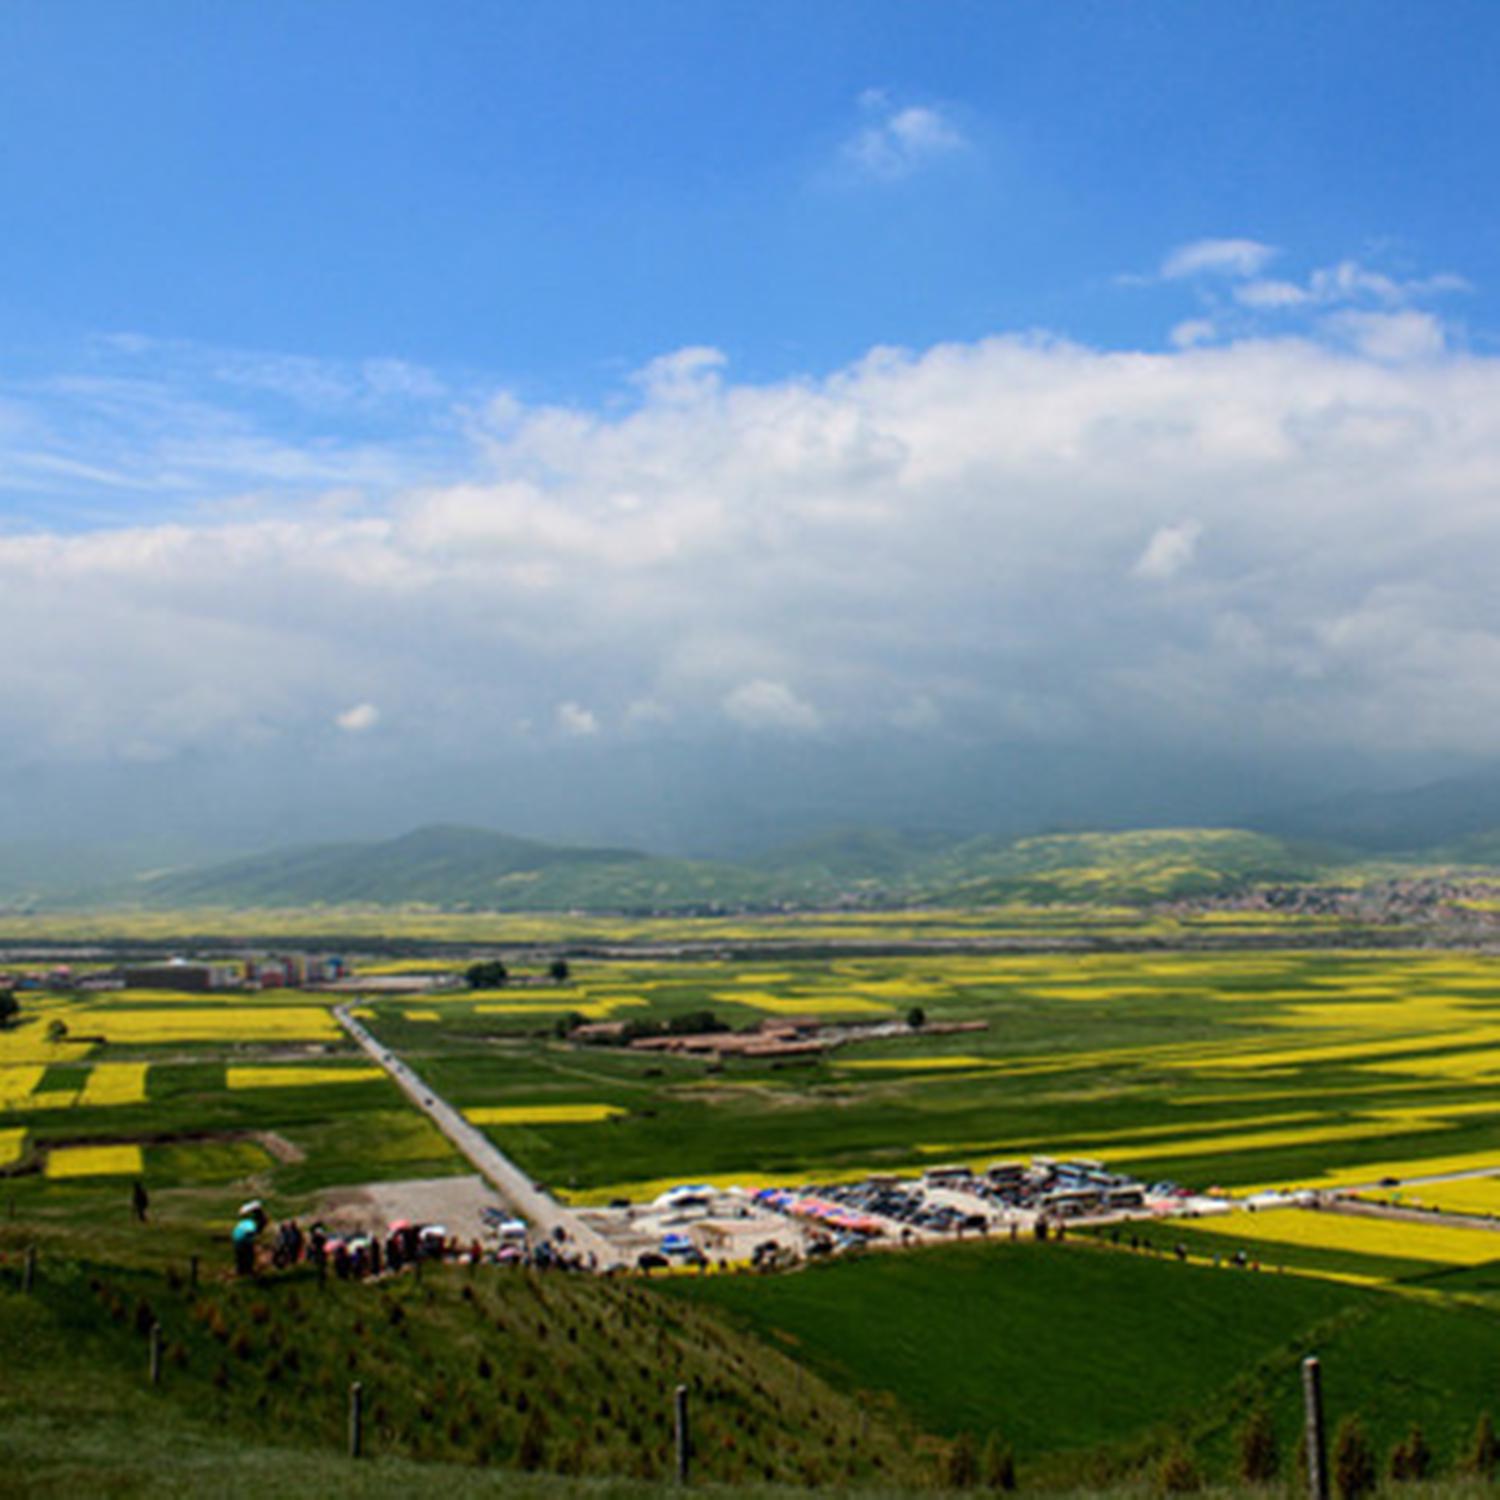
x=193 y=1272
x=28 y=1270
x=356 y=1419
x=684 y=1444
x=155 y=1358
x=1317 y=1450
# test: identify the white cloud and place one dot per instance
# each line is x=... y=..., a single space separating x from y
x=1168 y=552
x=901 y=140
x=576 y=722
x=359 y=719
x=1272 y=294
x=766 y=705
x=1217 y=258
x=1392 y=337
x=1193 y=331
x=955 y=540
x=1345 y=283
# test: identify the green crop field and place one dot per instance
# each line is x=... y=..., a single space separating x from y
x=1089 y=1360
x=1236 y=1069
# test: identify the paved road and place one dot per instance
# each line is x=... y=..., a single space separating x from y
x=540 y=1209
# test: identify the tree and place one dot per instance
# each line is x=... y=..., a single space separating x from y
x=1484 y=1449
x=1411 y=1458
x=916 y=1018
x=1259 y=1459
x=961 y=1471
x=997 y=1465
x=9 y=1007
x=57 y=1029
x=1353 y=1460
x=487 y=974
x=559 y=971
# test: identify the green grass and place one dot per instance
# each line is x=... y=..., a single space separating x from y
x=500 y=1370
x=1088 y=1361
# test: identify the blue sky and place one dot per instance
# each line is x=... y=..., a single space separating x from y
x=327 y=326
x=548 y=195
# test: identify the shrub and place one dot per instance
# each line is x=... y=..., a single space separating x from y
x=1177 y=1474
x=1411 y=1458
x=1484 y=1449
x=997 y=1465
x=1353 y=1461
x=532 y=1449
x=1259 y=1458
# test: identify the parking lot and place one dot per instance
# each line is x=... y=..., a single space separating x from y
x=698 y=1225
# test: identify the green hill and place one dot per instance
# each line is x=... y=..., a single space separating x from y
x=473 y=869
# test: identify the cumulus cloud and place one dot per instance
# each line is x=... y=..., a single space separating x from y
x=359 y=719
x=766 y=705
x=1168 y=552
x=1392 y=337
x=577 y=722
x=1193 y=331
x=900 y=139
x=1346 y=283
x=1228 y=257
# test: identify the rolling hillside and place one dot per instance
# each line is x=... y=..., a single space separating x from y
x=459 y=868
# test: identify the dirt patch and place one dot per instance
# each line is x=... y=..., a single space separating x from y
x=455 y=1202
x=278 y=1146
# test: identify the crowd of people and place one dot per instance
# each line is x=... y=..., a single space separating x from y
x=351 y=1257
x=347 y=1256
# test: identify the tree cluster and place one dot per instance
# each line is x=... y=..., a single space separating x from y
x=487 y=974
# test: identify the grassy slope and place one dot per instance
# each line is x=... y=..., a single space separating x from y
x=1070 y=1349
x=456 y=1369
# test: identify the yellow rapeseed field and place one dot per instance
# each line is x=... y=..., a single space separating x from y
x=94 y=1161
x=115 y=1083
x=17 y=1080
x=1368 y=1236
x=1402 y=1169
x=11 y=1142
x=917 y=1064
x=296 y=1075
x=1464 y=1195
x=804 y=1004
x=26 y=1042
x=202 y=1024
x=593 y=1010
x=542 y=1114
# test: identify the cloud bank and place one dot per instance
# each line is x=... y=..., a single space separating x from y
x=1280 y=541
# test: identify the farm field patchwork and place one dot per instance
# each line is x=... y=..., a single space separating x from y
x=1179 y=1064
x=1236 y=1070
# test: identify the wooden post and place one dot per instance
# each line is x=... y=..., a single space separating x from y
x=193 y=1272
x=684 y=1444
x=356 y=1419
x=155 y=1358
x=1317 y=1450
x=28 y=1270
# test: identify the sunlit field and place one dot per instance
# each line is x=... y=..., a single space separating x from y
x=1238 y=1071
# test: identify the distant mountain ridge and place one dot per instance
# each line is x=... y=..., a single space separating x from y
x=461 y=868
